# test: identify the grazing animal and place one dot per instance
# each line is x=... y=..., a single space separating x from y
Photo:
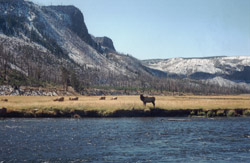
x=59 y=99
x=102 y=98
x=73 y=98
x=114 y=98
x=146 y=100
x=5 y=100
x=3 y=111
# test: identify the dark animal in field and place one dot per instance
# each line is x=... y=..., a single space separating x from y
x=3 y=111
x=59 y=99
x=146 y=100
x=73 y=98
x=5 y=100
x=102 y=98
x=114 y=98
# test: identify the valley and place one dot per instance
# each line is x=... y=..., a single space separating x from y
x=50 y=46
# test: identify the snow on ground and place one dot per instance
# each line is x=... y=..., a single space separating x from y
x=226 y=83
x=187 y=66
x=14 y=67
x=17 y=41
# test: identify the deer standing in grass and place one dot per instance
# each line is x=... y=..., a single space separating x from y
x=146 y=100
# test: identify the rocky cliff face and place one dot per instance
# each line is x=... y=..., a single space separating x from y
x=106 y=43
x=73 y=19
x=59 y=32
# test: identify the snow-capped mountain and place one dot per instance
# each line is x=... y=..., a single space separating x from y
x=225 y=71
x=60 y=34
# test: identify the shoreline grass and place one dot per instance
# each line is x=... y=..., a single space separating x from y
x=35 y=105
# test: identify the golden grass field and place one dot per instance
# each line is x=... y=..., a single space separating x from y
x=17 y=103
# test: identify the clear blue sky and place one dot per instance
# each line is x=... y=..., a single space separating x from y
x=150 y=29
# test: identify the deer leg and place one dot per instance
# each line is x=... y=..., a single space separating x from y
x=144 y=103
x=153 y=103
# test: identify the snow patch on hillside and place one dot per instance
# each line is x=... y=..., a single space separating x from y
x=5 y=40
x=220 y=67
x=184 y=66
x=226 y=83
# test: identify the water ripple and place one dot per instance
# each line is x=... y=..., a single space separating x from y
x=125 y=140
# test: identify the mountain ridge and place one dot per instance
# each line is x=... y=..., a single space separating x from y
x=230 y=69
x=51 y=44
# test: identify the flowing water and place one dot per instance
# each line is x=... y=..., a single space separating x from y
x=125 y=140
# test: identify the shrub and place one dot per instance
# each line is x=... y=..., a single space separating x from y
x=201 y=113
x=220 y=113
x=231 y=113
x=210 y=113
x=192 y=113
x=246 y=112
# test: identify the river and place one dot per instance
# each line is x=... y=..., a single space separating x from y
x=125 y=140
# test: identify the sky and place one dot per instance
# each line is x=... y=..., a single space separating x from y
x=161 y=29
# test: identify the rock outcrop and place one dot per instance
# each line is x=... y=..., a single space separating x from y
x=106 y=43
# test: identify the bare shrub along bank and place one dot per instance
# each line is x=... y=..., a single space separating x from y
x=152 y=112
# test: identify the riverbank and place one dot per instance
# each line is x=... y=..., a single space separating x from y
x=128 y=113
x=125 y=106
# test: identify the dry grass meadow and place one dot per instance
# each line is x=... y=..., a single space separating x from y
x=24 y=103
